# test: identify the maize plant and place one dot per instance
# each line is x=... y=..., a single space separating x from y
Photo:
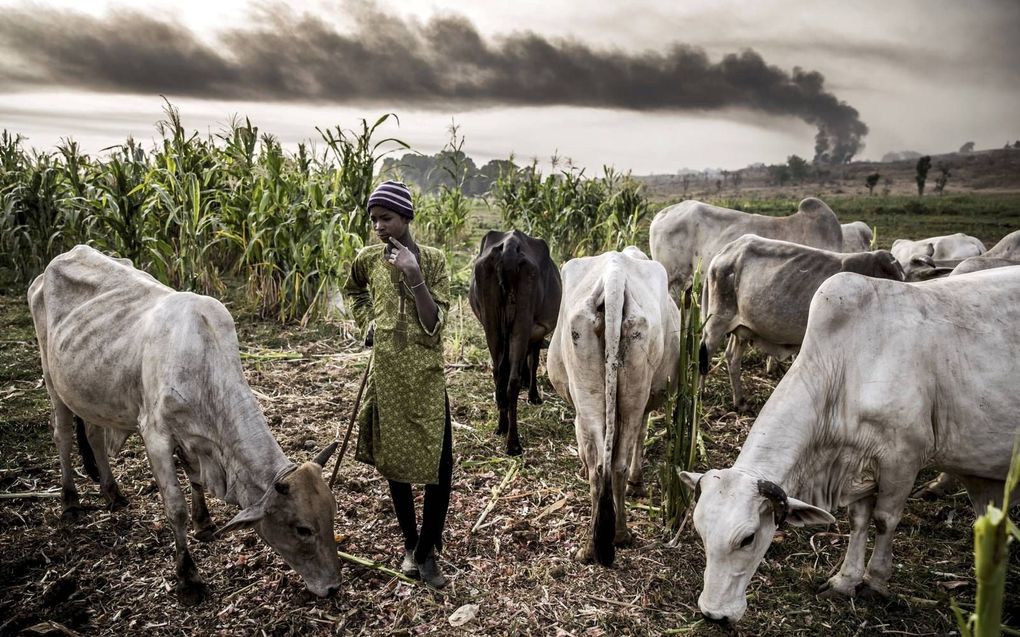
x=683 y=417
x=993 y=533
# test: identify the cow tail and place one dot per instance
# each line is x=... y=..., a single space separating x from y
x=85 y=449
x=605 y=516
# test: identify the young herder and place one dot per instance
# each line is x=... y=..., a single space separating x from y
x=399 y=293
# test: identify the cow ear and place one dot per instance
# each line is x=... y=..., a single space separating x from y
x=689 y=478
x=804 y=514
x=246 y=519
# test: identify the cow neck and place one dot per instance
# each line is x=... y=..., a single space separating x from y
x=251 y=457
x=795 y=444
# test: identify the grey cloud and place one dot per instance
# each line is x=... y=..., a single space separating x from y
x=439 y=63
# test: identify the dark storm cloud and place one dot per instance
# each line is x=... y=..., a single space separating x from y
x=442 y=62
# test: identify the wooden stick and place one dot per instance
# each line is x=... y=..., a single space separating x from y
x=375 y=566
x=511 y=473
x=29 y=495
x=350 y=427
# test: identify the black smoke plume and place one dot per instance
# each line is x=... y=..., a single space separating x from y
x=439 y=63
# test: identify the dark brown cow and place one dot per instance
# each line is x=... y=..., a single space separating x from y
x=515 y=293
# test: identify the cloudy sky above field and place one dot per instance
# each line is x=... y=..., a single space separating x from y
x=645 y=86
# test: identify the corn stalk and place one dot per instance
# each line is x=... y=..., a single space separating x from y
x=993 y=533
x=683 y=417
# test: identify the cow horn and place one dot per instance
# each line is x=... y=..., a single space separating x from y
x=775 y=493
x=324 y=455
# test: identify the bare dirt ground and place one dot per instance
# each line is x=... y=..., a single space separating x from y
x=112 y=573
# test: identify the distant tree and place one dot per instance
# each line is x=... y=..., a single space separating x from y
x=871 y=181
x=718 y=185
x=923 y=166
x=888 y=186
x=685 y=181
x=798 y=168
x=1016 y=144
x=779 y=174
x=967 y=148
x=725 y=176
x=736 y=177
x=940 y=181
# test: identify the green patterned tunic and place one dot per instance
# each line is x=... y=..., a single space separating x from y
x=404 y=410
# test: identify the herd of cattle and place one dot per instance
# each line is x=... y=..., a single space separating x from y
x=899 y=367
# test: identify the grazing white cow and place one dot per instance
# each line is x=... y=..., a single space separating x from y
x=1004 y=253
x=691 y=231
x=919 y=258
x=857 y=236
x=760 y=290
x=892 y=377
x=125 y=353
x=612 y=355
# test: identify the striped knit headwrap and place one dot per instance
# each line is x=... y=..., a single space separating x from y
x=394 y=196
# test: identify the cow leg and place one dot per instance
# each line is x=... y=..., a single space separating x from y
x=518 y=356
x=938 y=488
x=190 y=588
x=588 y=454
x=636 y=480
x=63 y=438
x=894 y=485
x=201 y=521
x=534 y=395
x=734 y=351
x=107 y=483
x=851 y=572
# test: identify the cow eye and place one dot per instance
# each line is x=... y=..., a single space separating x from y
x=746 y=542
x=303 y=531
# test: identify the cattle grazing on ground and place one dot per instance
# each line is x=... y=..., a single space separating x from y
x=124 y=353
x=691 y=231
x=935 y=256
x=857 y=236
x=1003 y=254
x=515 y=293
x=612 y=357
x=759 y=290
x=892 y=377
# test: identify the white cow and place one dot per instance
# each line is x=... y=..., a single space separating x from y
x=691 y=231
x=1004 y=253
x=919 y=258
x=857 y=237
x=612 y=356
x=760 y=290
x=892 y=377
x=125 y=353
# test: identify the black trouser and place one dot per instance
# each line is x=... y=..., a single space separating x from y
x=437 y=501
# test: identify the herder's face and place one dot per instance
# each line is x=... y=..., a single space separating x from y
x=386 y=224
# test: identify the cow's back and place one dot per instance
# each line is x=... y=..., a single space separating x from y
x=107 y=331
x=692 y=231
x=1007 y=248
x=933 y=364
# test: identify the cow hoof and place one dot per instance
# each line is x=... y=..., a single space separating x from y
x=871 y=591
x=838 y=586
x=206 y=533
x=623 y=537
x=514 y=449
x=192 y=594
x=585 y=554
x=636 y=489
x=535 y=399
x=72 y=513
x=501 y=430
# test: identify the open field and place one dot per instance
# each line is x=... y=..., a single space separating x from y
x=113 y=572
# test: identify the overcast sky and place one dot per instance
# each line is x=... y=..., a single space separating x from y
x=643 y=86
